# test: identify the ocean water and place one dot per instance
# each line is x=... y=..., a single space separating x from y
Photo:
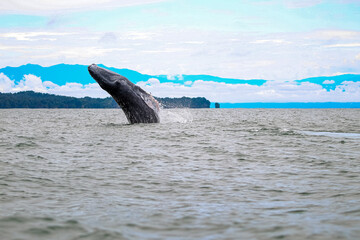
x=199 y=174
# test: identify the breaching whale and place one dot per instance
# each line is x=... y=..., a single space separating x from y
x=138 y=105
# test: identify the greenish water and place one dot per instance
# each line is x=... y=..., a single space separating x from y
x=200 y=174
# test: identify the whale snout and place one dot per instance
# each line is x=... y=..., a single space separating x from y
x=99 y=75
x=92 y=67
x=107 y=79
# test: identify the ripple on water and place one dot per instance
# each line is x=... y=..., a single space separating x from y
x=28 y=144
x=223 y=174
x=16 y=227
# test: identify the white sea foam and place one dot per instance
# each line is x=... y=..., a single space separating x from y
x=179 y=115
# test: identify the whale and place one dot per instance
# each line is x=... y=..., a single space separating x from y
x=138 y=105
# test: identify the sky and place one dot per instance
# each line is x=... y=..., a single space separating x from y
x=276 y=40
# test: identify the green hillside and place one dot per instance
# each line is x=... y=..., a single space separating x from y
x=30 y=99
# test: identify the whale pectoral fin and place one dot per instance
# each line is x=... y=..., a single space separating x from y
x=149 y=99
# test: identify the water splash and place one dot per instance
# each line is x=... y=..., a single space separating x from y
x=179 y=115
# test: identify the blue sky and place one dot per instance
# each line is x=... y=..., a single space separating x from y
x=278 y=40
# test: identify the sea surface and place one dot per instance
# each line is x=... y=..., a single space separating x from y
x=199 y=174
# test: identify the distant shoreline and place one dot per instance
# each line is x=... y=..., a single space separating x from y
x=35 y=100
x=31 y=99
x=295 y=105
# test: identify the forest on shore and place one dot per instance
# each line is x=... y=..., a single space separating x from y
x=30 y=99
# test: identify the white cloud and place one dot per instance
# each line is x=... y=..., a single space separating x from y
x=50 y=85
x=334 y=34
x=78 y=53
x=276 y=41
x=46 y=7
x=341 y=73
x=153 y=81
x=281 y=56
x=328 y=82
x=301 y=3
x=108 y=38
x=166 y=50
x=271 y=91
x=341 y=45
x=5 y=47
x=194 y=42
x=175 y=77
x=33 y=83
x=79 y=90
x=188 y=83
x=33 y=36
x=30 y=82
x=6 y=84
x=347 y=1
x=136 y=35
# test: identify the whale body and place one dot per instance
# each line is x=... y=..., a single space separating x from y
x=137 y=104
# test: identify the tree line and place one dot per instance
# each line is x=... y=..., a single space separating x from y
x=30 y=99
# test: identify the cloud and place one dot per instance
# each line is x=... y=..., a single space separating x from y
x=280 y=56
x=108 y=38
x=166 y=50
x=328 y=82
x=136 y=35
x=33 y=36
x=30 y=82
x=175 y=77
x=342 y=45
x=276 y=41
x=76 y=54
x=271 y=91
x=34 y=83
x=6 y=84
x=47 y=7
x=79 y=90
x=334 y=34
x=5 y=47
x=348 y=1
x=301 y=3
x=194 y=42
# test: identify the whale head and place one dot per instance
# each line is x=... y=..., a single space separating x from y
x=137 y=104
x=109 y=80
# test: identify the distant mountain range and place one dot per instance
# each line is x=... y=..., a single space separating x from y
x=65 y=73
